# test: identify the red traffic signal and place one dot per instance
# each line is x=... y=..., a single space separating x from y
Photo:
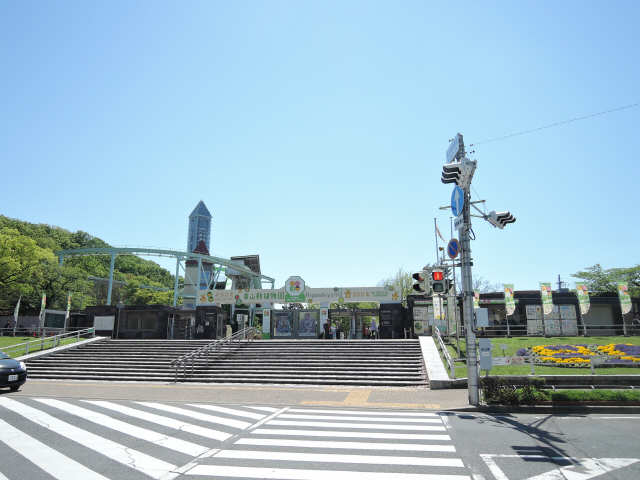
x=437 y=275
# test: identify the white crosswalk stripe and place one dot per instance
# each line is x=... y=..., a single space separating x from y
x=43 y=456
x=335 y=444
x=298 y=444
x=188 y=448
x=197 y=415
x=344 y=444
x=162 y=420
x=153 y=467
x=229 y=411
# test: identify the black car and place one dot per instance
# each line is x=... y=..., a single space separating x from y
x=12 y=372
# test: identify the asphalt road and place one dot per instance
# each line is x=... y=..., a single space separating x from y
x=53 y=431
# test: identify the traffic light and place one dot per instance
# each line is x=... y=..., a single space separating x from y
x=438 y=281
x=422 y=279
x=500 y=219
x=459 y=173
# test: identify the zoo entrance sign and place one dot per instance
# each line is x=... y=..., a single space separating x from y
x=295 y=290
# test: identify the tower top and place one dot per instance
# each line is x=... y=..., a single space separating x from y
x=200 y=210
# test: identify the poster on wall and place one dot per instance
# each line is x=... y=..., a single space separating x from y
x=307 y=324
x=420 y=319
x=324 y=315
x=282 y=325
x=266 y=323
x=583 y=298
x=625 y=299
x=547 y=298
x=508 y=298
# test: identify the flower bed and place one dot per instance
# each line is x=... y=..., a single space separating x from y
x=619 y=354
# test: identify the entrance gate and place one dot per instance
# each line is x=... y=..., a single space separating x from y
x=295 y=323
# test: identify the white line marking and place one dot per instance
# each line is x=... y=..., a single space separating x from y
x=359 y=419
x=263 y=409
x=216 y=471
x=375 y=446
x=197 y=415
x=445 y=420
x=160 y=439
x=51 y=461
x=230 y=411
x=380 y=413
x=620 y=418
x=343 y=434
x=378 y=426
x=267 y=419
x=139 y=461
x=162 y=420
x=340 y=458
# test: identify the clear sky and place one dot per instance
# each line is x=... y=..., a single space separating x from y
x=315 y=132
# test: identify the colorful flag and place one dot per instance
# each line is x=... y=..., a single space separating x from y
x=476 y=299
x=43 y=304
x=547 y=298
x=583 y=298
x=625 y=299
x=510 y=303
x=66 y=315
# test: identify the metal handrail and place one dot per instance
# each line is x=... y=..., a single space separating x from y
x=248 y=333
x=55 y=338
x=583 y=330
x=445 y=352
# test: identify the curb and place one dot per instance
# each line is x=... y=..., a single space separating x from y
x=49 y=351
x=584 y=408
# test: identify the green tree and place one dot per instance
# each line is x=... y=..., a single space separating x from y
x=599 y=280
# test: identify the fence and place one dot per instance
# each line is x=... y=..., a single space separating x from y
x=583 y=330
x=445 y=352
x=43 y=343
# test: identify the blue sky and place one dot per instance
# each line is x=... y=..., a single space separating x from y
x=315 y=132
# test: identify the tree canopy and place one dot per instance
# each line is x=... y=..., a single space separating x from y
x=29 y=268
x=599 y=280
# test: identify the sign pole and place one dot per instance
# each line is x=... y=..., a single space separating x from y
x=467 y=288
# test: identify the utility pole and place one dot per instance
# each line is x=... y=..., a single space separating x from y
x=467 y=303
x=459 y=170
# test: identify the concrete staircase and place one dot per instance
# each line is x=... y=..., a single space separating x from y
x=302 y=362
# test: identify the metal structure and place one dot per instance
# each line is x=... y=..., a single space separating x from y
x=255 y=279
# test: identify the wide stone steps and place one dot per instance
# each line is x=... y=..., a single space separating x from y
x=301 y=362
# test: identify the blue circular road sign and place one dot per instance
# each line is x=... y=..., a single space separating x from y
x=453 y=248
x=457 y=201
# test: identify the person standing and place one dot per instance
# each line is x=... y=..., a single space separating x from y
x=374 y=329
x=326 y=330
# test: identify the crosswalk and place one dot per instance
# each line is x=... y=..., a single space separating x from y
x=47 y=438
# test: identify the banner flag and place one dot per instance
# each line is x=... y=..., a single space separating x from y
x=476 y=299
x=66 y=315
x=15 y=315
x=547 y=298
x=43 y=304
x=583 y=298
x=625 y=299
x=508 y=298
x=439 y=234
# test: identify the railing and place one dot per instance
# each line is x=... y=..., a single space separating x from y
x=213 y=348
x=54 y=341
x=445 y=352
x=582 y=330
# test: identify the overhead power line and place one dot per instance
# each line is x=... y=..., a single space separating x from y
x=556 y=124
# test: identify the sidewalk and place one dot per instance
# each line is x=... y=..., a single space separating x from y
x=369 y=397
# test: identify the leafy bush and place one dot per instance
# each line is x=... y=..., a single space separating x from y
x=503 y=391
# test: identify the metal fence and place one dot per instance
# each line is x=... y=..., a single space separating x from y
x=46 y=342
x=582 y=331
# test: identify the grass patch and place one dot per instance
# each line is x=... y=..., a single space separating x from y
x=6 y=344
x=515 y=343
x=595 y=396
